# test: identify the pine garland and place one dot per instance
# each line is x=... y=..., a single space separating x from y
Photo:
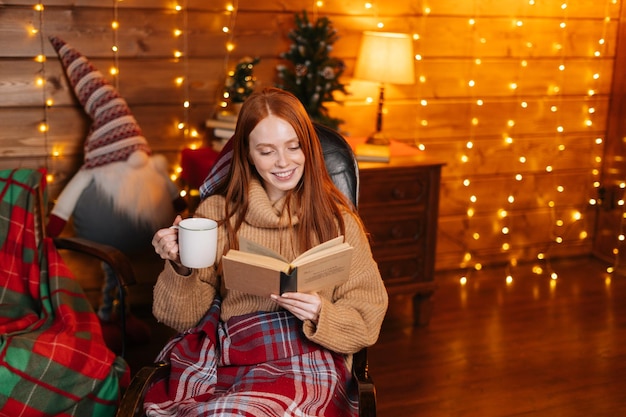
x=312 y=74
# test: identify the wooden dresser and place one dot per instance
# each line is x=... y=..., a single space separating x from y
x=399 y=203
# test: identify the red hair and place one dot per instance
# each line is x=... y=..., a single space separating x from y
x=318 y=202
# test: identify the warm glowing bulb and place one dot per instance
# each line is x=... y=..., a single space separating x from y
x=466 y=182
x=40 y=58
x=39 y=7
x=114 y=48
x=180 y=126
x=49 y=102
x=178 y=54
x=230 y=46
x=179 y=80
x=476 y=235
x=43 y=127
x=505 y=230
x=186 y=104
x=177 y=32
x=511 y=199
x=39 y=81
x=225 y=29
x=115 y=25
x=113 y=71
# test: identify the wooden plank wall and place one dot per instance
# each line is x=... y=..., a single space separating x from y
x=512 y=95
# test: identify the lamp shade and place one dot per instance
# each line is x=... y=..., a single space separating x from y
x=386 y=58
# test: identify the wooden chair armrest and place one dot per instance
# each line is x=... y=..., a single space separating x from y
x=118 y=261
x=131 y=404
x=365 y=383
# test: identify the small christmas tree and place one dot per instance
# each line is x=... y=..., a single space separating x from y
x=240 y=82
x=312 y=75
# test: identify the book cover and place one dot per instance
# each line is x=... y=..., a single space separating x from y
x=257 y=270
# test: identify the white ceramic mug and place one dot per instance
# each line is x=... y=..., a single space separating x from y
x=197 y=242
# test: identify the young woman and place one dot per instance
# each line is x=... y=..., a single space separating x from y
x=288 y=354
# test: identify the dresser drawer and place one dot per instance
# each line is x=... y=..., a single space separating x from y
x=399 y=227
x=409 y=269
x=403 y=186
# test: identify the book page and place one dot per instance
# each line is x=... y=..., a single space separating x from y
x=249 y=246
x=326 y=272
x=256 y=259
x=319 y=248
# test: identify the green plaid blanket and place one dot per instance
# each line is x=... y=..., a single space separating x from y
x=53 y=360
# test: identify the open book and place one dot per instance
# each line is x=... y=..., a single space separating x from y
x=257 y=270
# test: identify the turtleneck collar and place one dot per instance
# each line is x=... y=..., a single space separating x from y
x=265 y=214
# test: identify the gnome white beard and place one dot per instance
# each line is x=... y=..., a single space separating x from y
x=142 y=193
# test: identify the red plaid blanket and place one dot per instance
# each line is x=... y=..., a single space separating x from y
x=255 y=365
x=53 y=360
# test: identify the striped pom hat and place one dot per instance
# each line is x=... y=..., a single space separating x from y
x=114 y=134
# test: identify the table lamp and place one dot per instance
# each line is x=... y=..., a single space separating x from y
x=385 y=58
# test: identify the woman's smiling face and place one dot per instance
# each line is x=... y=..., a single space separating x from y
x=275 y=152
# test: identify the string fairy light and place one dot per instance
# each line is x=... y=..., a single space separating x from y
x=40 y=81
x=229 y=30
x=181 y=55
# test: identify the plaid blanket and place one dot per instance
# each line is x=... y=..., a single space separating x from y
x=255 y=365
x=53 y=360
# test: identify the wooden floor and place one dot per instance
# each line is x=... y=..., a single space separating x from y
x=531 y=347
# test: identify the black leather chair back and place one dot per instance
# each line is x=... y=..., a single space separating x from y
x=340 y=161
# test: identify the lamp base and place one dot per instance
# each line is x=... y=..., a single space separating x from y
x=378 y=138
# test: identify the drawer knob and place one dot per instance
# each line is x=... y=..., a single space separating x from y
x=398 y=193
x=396 y=232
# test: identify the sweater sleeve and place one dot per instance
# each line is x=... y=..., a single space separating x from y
x=351 y=315
x=181 y=301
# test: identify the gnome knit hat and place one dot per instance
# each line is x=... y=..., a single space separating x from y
x=114 y=134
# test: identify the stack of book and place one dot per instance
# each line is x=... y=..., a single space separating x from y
x=223 y=125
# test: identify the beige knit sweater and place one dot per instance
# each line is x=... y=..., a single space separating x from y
x=351 y=314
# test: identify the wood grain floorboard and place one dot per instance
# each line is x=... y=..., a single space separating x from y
x=532 y=347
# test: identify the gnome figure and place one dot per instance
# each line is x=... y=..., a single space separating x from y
x=121 y=195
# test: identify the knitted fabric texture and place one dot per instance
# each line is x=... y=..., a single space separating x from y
x=114 y=134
